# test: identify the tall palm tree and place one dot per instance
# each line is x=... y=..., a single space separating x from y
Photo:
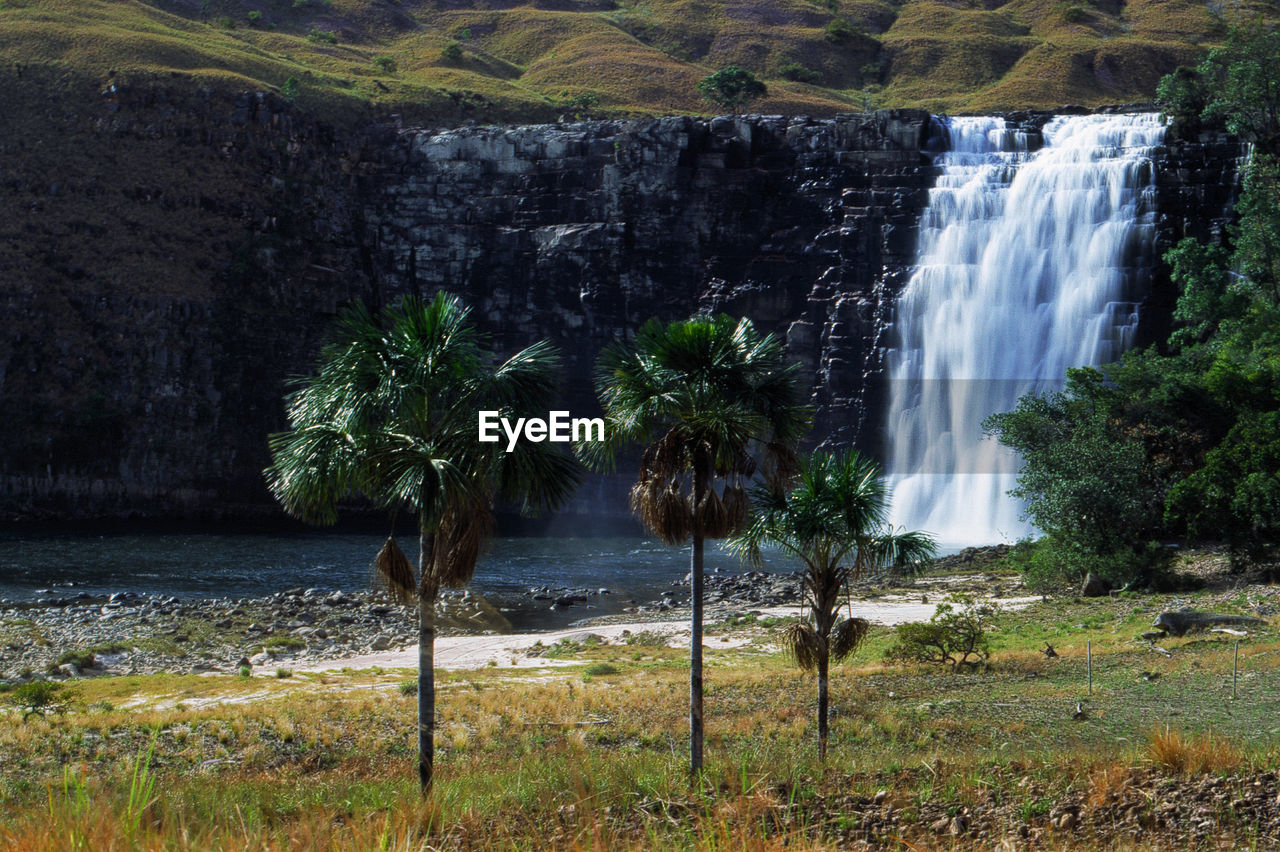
x=833 y=521
x=705 y=396
x=391 y=414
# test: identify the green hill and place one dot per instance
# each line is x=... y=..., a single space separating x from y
x=535 y=60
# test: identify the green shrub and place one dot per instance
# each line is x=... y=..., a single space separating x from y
x=731 y=88
x=838 y=30
x=385 y=64
x=226 y=23
x=956 y=635
x=281 y=674
x=1073 y=14
x=290 y=88
x=37 y=697
x=451 y=52
x=796 y=72
x=322 y=37
x=600 y=669
x=255 y=17
x=281 y=644
x=245 y=671
x=409 y=687
x=80 y=659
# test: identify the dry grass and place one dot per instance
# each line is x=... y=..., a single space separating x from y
x=641 y=56
x=1178 y=753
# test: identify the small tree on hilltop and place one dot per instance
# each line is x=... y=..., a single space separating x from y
x=731 y=88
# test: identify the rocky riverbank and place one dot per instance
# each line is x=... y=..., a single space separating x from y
x=83 y=635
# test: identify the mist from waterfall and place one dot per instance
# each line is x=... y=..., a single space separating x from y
x=1025 y=268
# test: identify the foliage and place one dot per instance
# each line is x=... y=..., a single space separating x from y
x=451 y=52
x=834 y=521
x=38 y=697
x=385 y=64
x=581 y=104
x=706 y=396
x=731 y=88
x=290 y=88
x=255 y=18
x=322 y=37
x=956 y=635
x=798 y=73
x=1088 y=485
x=1237 y=82
x=1178 y=440
x=702 y=395
x=389 y=414
x=839 y=30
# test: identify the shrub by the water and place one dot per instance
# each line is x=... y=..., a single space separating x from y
x=956 y=635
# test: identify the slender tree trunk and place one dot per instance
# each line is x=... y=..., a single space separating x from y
x=426 y=667
x=823 y=666
x=695 y=626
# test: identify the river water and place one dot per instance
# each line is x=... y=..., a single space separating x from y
x=220 y=565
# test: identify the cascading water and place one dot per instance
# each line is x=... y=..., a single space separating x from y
x=1022 y=274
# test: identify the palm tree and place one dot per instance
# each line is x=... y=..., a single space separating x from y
x=391 y=415
x=705 y=396
x=834 y=521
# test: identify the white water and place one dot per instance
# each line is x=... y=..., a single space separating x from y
x=1021 y=275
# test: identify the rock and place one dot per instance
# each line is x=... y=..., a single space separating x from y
x=1094 y=586
x=1187 y=621
x=381 y=643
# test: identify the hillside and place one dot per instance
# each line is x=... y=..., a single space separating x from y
x=499 y=59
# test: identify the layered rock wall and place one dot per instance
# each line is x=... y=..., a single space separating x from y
x=160 y=291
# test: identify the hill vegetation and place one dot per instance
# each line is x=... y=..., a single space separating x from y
x=539 y=59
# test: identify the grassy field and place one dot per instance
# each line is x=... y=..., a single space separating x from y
x=539 y=59
x=592 y=756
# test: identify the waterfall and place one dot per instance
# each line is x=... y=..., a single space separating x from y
x=1021 y=274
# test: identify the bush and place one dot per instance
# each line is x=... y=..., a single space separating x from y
x=322 y=37
x=731 y=87
x=409 y=687
x=281 y=644
x=38 y=697
x=796 y=72
x=282 y=674
x=839 y=30
x=451 y=52
x=290 y=88
x=600 y=669
x=80 y=659
x=956 y=635
x=255 y=18
x=385 y=64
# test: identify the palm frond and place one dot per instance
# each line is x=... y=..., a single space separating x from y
x=804 y=644
x=847 y=636
x=459 y=540
x=395 y=572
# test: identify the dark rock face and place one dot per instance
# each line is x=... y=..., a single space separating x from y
x=583 y=232
x=154 y=399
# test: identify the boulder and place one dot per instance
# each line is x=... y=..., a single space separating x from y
x=1094 y=586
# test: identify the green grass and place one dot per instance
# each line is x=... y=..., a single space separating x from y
x=327 y=759
x=640 y=56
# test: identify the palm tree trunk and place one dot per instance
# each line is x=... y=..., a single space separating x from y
x=695 y=626
x=823 y=665
x=426 y=667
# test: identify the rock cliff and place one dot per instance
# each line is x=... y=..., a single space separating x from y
x=160 y=291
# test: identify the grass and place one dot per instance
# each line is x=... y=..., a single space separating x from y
x=638 y=56
x=595 y=759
